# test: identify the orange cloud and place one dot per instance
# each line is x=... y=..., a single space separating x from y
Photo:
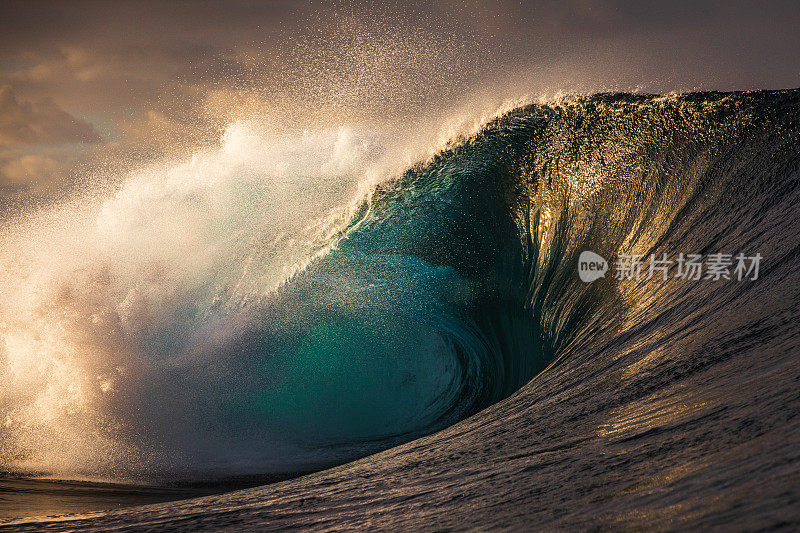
x=28 y=168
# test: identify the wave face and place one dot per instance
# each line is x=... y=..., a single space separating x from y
x=451 y=294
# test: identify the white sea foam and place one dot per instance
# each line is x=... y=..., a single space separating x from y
x=85 y=286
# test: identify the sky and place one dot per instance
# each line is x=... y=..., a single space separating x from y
x=97 y=87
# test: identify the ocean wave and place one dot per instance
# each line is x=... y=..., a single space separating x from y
x=446 y=302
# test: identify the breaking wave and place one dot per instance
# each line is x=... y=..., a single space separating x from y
x=218 y=317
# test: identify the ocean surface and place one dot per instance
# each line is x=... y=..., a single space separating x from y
x=427 y=348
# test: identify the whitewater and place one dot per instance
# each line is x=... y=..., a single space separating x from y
x=418 y=351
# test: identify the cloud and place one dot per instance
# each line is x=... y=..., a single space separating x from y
x=31 y=175
x=166 y=77
x=43 y=122
x=27 y=168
